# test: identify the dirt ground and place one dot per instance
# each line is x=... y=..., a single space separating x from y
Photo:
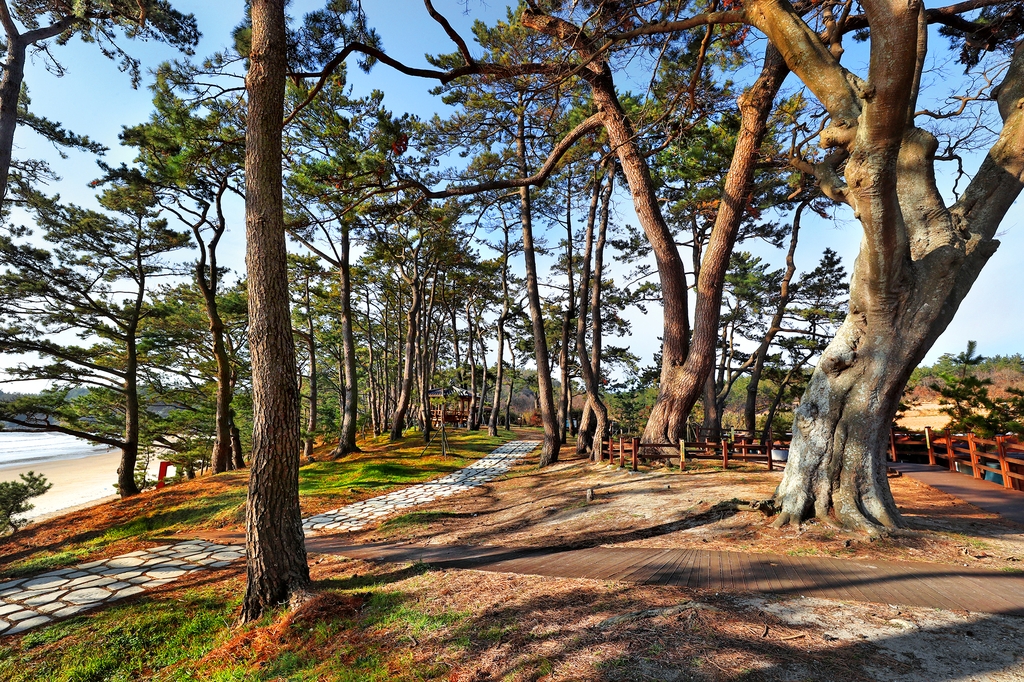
x=663 y=507
x=718 y=636
x=516 y=627
x=533 y=628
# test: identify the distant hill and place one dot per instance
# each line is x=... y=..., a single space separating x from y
x=1004 y=372
x=922 y=401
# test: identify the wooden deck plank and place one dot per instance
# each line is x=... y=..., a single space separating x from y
x=635 y=558
x=664 y=576
x=645 y=570
x=609 y=561
x=912 y=584
x=846 y=582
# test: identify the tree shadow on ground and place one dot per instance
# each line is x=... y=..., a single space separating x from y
x=736 y=643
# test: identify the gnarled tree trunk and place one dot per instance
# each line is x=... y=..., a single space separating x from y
x=918 y=258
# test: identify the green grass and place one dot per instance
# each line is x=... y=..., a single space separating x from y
x=165 y=639
x=363 y=475
x=123 y=642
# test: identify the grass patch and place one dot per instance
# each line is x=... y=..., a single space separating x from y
x=219 y=501
x=125 y=641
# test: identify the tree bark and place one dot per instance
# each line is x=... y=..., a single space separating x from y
x=591 y=438
x=126 y=485
x=236 y=444
x=10 y=89
x=411 y=329
x=918 y=260
x=549 y=418
x=472 y=423
x=276 y=565
x=682 y=382
x=350 y=418
x=500 y=363
x=567 y=315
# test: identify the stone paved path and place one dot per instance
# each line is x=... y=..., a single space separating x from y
x=361 y=514
x=29 y=602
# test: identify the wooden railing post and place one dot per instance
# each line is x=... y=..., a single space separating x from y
x=636 y=449
x=892 y=444
x=725 y=454
x=949 y=451
x=1004 y=466
x=682 y=455
x=975 y=468
x=768 y=454
x=928 y=442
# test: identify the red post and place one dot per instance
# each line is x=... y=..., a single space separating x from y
x=725 y=454
x=928 y=442
x=975 y=468
x=1004 y=467
x=949 y=450
x=162 y=475
x=635 y=448
x=892 y=445
x=768 y=455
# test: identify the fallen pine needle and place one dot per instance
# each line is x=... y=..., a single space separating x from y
x=802 y=634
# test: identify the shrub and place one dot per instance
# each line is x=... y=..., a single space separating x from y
x=14 y=497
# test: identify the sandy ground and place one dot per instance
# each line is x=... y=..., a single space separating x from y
x=664 y=508
x=925 y=414
x=76 y=482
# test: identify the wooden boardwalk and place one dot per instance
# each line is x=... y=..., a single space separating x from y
x=911 y=584
x=986 y=495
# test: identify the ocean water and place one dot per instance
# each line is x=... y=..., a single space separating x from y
x=18 y=448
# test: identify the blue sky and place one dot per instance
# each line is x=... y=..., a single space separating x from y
x=94 y=98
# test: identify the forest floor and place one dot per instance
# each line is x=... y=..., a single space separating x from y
x=392 y=622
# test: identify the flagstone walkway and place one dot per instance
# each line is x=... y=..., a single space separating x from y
x=30 y=602
x=361 y=514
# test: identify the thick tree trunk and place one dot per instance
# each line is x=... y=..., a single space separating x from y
x=837 y=466
x=918 y=260
x=682 y=382
x=549 y=418
x=276 y=564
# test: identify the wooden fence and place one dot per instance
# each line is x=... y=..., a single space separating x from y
x=999 y=460
x=740 y=449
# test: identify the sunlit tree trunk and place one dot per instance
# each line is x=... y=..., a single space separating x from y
x=276 y=565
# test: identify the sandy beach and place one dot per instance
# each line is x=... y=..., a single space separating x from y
x=76 y=482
